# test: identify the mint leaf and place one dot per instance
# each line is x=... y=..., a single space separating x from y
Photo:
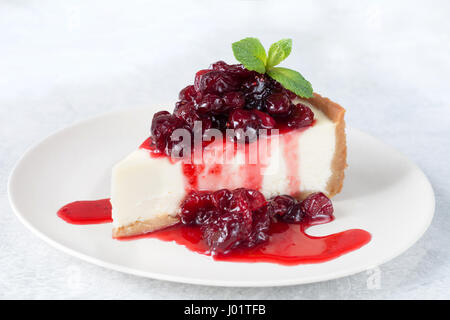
x=292 y=80
x=251 y=53
x=278 y=51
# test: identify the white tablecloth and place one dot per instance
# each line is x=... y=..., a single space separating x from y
x=387 y=62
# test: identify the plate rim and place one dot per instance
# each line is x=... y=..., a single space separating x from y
x=199 y=281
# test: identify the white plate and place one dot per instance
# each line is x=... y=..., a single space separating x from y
x=384 y=193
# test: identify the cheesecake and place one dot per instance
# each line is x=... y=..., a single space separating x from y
x=247 y=146
x=247 y=161
x=148 y=186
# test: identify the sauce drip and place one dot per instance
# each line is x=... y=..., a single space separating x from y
x=289 y=243
x=86 y=212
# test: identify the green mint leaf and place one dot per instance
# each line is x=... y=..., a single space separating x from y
x=292 y=80
x=251 y=54
x=278 y=51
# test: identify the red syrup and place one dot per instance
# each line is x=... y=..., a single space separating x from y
x=146 y=145
x=289 y=244
x=86 y=212
x=290 y=145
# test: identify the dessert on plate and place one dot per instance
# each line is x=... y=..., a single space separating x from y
x=149 y=186
x=246 y=161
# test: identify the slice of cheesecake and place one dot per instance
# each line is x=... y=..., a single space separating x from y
x=147 y=188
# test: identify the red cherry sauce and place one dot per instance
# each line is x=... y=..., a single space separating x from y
x=86 y=212
x=289 y=243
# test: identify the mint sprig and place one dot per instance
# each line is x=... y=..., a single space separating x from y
x=252 y=55
x=292 y=80
x=279 y=51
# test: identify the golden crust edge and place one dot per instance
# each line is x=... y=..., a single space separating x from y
x=335 y=113
x=141 y=227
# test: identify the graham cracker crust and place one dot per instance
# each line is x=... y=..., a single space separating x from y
x=140 y=227
x=336 y=114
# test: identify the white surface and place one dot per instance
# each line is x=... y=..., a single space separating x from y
x=386 y=62
x=393 y=201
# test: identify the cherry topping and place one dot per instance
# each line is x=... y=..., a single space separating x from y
x=237 y=70
x=253 y=198
x=279 y=104
x=233 y=100
x=163 y=125
x=220 y=66
x=317 y=207
x=187 y=94
x=241 y=218
x=219 y=121
x=198 y=77
x=216 y=82
x=282 y=204
x=230 y=96
x=227 y=219
x=301 y=116
x=240 y=119
x=209 y=103
x=294 y=215
x=187 y=112
x=195 y=206
x=265 y=120
x=256 y=91
x=246 y=124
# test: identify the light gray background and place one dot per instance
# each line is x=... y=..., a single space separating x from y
x=387 y=62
